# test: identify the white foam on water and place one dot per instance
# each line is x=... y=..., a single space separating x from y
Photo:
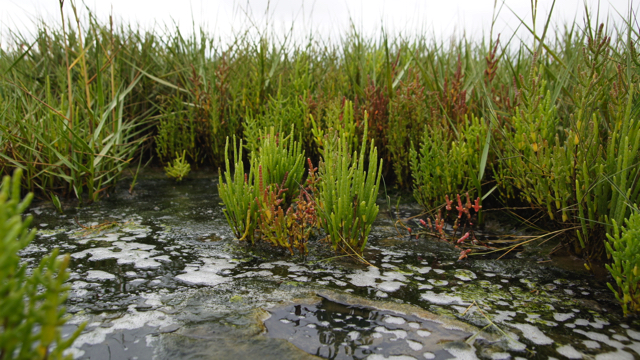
x=414 y=345
x=591 y=344
x=620 y=337
x=97 y=254
x=399 y=334
x=207 y=274
x=535 y=319
x=73 y=352
x=500 y=356
x=513 y=343
x=581 y=322
x=394 y=320
x=108 y=237
x=297 y=268
x=341 y=283
x=599 y=323
x=99 y=275
x=389 y=286
x=130 y=253
x=532 y=333
x=635 y=335
x=365 y=278
x=249 y=274
x=462 y=309
x=131 y=320
x=569 y=352
x=392 y=357
x=465 y=275
x=79 y=285
x=423 y=270
x=503 y=315
x=635 y=346
x=442 y=299
x=463 y=354
x=439 y=282
x=393 y=275
x=164 y=258
x=601 y=338
x=618 y=355
x=560 y=317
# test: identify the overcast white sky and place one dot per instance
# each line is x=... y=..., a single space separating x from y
x=440 y=18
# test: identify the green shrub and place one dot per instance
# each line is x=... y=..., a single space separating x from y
x=347 y=193
x=179 y=168
x=178 y=132
x=407 y=115
x=276 y=162
x=623 y=248
x=236 y=189
x=580 y=169
x=446 y=165
x=31 y=305
x=338 y=121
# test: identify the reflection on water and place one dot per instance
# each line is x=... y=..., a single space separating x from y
x=339 y=331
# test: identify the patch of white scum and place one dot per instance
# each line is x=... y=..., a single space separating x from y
x=560 y=317
x=207 y=274
x=465 y=275
x=532 y=333
x=569 y=352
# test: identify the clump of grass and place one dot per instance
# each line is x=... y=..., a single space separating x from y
x=624 y=249
x=259 y=199
x=347 y=193
x=237 y=191
x=446 y=164
x=179 y=168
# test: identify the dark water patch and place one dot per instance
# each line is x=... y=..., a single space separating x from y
x=333 y=330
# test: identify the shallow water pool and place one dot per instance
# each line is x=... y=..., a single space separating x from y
x=163 y=278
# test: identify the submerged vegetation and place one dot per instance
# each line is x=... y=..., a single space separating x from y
x=549 y=130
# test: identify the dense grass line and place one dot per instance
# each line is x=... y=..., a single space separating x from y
x=551 y=123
